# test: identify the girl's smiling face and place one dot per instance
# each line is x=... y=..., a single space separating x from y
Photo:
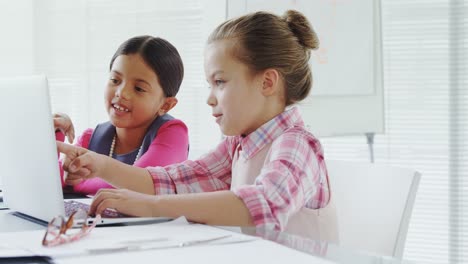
x=133 y=95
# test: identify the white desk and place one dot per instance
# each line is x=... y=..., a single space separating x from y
x=12 y=223
x=259 y=250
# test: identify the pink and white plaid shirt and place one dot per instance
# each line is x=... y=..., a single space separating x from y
x=295 y=175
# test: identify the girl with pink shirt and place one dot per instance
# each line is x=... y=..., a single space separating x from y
x=268 y=171
x=144 y=78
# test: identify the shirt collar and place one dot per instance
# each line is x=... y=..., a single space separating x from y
x=269 y=131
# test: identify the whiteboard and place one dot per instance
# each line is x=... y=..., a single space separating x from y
x=347 y=93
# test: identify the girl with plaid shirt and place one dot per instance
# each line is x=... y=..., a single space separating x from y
x=268 y=171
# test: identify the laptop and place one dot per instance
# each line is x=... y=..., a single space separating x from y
x=28 y=154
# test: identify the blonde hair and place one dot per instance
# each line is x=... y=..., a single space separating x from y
x=262 y=40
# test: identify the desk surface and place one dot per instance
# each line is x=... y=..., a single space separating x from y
x=329 y=251
x=326 y=251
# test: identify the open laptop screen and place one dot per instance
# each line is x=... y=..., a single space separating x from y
x=28 y=155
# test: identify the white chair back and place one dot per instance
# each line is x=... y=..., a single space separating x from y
x=374 y=204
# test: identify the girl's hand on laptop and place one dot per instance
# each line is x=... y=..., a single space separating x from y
x=63 y=123
x=80 y=163
x=124 y=201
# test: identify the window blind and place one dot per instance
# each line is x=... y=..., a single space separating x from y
x=458 y=173
x=426 y=98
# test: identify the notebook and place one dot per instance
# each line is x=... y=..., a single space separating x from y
x=28 y=153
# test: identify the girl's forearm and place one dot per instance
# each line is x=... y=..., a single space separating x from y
x=212 y=208
x=121 y=175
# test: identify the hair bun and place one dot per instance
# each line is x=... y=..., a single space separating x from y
x=301 y=28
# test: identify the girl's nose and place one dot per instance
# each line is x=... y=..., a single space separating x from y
x=211 y=100
x=123 y=91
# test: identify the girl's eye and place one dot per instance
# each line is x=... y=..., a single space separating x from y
x=219 y=82
x=138 y=89
x=114 y=81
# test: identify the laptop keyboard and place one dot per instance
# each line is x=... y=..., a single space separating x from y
x=71 y=206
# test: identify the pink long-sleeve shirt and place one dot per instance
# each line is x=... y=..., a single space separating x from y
x=169 y=146
x=295 y=175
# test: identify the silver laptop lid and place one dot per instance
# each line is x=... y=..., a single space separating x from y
x=28 y=156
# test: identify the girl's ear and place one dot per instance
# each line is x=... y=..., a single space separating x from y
x=169 y=103
x=271 y=82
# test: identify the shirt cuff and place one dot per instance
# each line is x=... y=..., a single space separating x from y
x=258 y=207
x=162 y=182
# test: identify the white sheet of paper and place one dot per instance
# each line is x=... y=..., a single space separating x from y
x=168 y=234
x=258 y=251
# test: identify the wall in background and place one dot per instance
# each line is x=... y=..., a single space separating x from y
x=17 y=45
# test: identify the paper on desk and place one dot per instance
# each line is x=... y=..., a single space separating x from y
x=262 y=251
x=161 y=234
x=28 y=243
